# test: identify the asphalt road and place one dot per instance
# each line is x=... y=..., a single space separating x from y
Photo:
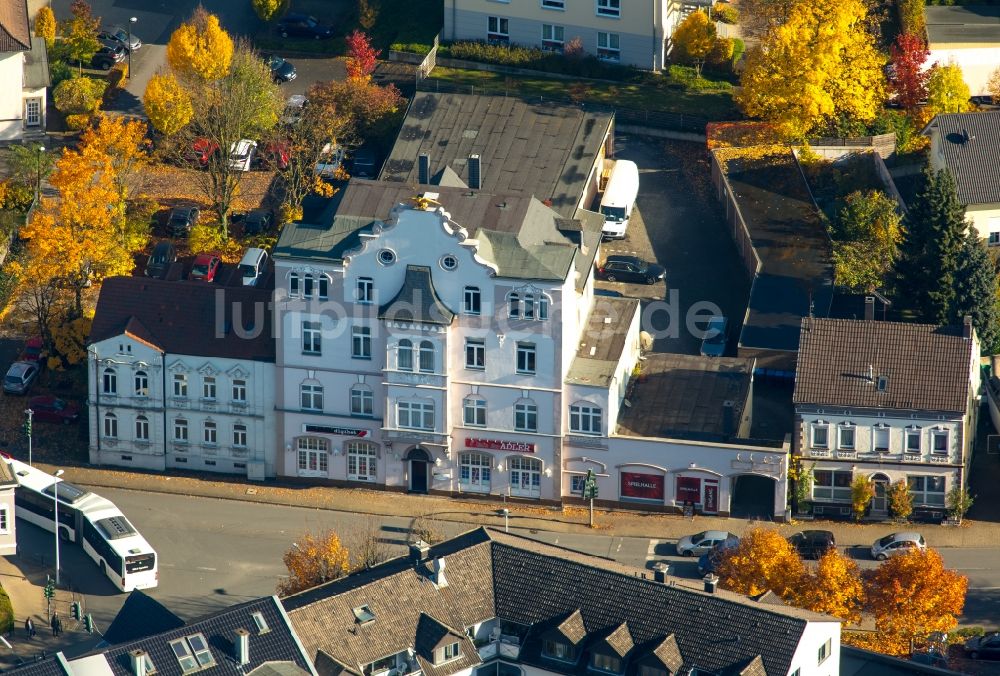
x=215 y=553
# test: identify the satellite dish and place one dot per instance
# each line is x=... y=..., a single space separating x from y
x=645 y=341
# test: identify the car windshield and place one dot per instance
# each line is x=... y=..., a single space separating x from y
x=178 y=219
x=311 y=22
x=12 y=379
x=58 y=405
x=200 y=269
x=120 y=34
x=613 y=213
x=248 y=271
x=887 y=540
x=698 y=537
x=717 y=338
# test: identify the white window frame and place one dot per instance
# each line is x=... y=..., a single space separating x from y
x=362 y=461
x=312 y=338
x=181 y=430
x=554 y=4
x=209 y=388
x=476 y=348
x=365 y=290
x=497 y=29
x=841 y=430
x=294 y=285
x=475 y=471
x=877 y=431
x=362 y=401
x=361 y=342
x=606 y=52
x=404 y=354
x=141 y=382
x=425 y=356
x=824 y=651
x=109 y=381
x=110 y=426
x=940 y=433
x=210 y=433
x=474 y=411
x=525 y=416
x=819 y=426
x=239 y=435
x=586 y=418
x=239 y=391
x=833 y=492
x=311 y=393
x=316 y=449
x=609 y=8
x=142 y=428
x=415 y=415
x=556 y=38
x=527 y=358
x=913 y=432
x=918 y=486
x=33 y=112
x=472 y=303
x=525 y=476
x=180 y=386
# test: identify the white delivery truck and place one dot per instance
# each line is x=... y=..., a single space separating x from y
x=619 y=199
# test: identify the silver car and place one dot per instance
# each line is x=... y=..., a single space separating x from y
x=20 y=376
x=703 y=542
x=897 y=543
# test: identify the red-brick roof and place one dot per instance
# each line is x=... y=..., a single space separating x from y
x=15 y=30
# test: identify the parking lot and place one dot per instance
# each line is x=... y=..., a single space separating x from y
x=679 y=225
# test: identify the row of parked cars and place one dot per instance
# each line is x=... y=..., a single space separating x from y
x=206 y=266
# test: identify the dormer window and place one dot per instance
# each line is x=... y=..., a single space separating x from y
x=606 y=663
x=451 y=651
x=558 y=650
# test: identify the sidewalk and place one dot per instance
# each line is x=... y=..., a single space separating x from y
x=475 y=512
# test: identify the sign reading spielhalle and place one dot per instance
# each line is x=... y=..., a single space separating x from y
x=642 y=486
x=501 y=445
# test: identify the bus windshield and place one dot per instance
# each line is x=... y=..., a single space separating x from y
x=137 y=564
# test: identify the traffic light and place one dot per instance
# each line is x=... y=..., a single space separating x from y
x=74 y=610
x=88 y=623
x=27 y=427
x=50 y=590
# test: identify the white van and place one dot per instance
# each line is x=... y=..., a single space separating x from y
x=253 y=265
x=619 y=199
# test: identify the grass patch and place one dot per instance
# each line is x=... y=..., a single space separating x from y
x=659 y=93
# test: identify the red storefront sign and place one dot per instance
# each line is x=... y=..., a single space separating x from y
x=500 y=445
x=642 y=486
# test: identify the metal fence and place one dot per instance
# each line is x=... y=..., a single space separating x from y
x=647 y=118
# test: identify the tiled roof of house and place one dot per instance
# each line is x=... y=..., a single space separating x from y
x=874 y=364
x=50 y=666
x=970 y=143
x=541 y=149
x=187 y=318
x=7 y=477
x=417 y=301
x=15 y=29
x=547 y=588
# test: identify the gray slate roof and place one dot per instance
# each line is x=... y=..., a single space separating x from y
x=520 y=235
x=927 y=367
x=542 y=149
x=974 y=164
x=496 y=575
x=417 y=301
x=966 y=24
x=602 y=341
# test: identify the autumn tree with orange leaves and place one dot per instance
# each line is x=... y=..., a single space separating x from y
x=313 y=560
x=764 y=560
x=834 y=588
x=362 y=58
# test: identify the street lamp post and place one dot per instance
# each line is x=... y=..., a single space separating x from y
x=55 y=505
x=38 y=171
x=131 y=21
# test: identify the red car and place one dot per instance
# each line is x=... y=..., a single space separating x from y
x=32 y=350
x=47 y=408
x=276 y=154
x=205 y=266
x=202 y=150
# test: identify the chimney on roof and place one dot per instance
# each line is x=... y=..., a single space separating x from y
x=137 y=659
x=419 y=551
x=966 y=136
x=242 y=647
x=439 y=579
x=711 y=582
x=967 y=327
x=475 y=172
x=869 y=308
x=660 y=572
x=424 y=168
x=728 y=417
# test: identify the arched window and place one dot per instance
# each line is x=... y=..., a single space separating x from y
x=110 y=425
x=142 y=428
x=294 y=285
x=426 y=356
x=404 y=355
x=109 y=381
x=362 y=400
x=513 y=306
x=307 y=285
x=313 y=456
x=525 y=476
x=362 y=461
x=529 y=306
x=475 y=470
x=141 y=384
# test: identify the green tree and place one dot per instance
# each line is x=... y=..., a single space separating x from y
x=928 y=260
x=946 y=90
x=862 y=492
x=976 y=291
x=866 y=236
x=80 y=33
x=267 y=10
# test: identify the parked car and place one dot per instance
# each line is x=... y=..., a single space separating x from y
x=181 y=220
x=202 y=150
x=813 y=544
x=281 y=70
x=241 y=154
x=108 y=53
x=701 y=543
x=258 y=221
x=630 y=269
x=253 y=265
x=716 y=335
x=298 y=25
x=294 y=106
x=985 y=647
x=205 y=267
x=164 y=255
x=897 y=543
x=32 y=350
x=709 y=561
x=20 y=376
x=331 y=159
x=122 y=36
x=47 y=408
x=363 y=163
x=276 y=155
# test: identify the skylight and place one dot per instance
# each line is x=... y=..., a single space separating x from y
x=261 y=623
x=363 y=615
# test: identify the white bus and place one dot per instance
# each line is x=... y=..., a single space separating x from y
x=114 y=544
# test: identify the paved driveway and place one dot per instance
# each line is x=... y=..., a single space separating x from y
x=681 y=227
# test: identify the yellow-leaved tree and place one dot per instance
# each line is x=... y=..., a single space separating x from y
x=269 y=9
x=819 y=66
x=167 y=104
x=45 y=24
x=834 y=588
x=695 y=38
x=763 y=561
x=314 y=560
x=946 y=90
x=200 y=48
x=912 y=595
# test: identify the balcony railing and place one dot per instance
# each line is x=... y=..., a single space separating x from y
x=819 y=452
x=505 y=646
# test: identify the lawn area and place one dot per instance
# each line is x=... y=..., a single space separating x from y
x=664 y=96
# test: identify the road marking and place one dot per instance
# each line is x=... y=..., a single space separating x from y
x=211 y=570
x=651 y=551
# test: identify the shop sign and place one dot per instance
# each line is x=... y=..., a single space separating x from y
x=337 y=431
x=642 y=486
x=501 y=445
